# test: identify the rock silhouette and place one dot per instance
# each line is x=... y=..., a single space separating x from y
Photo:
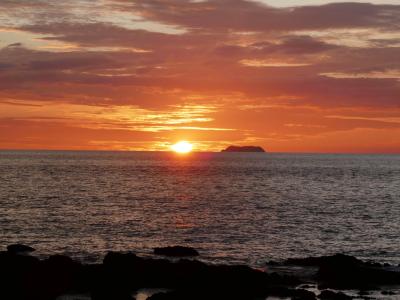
x=330 y=295
x=244 y=149
x=344 y=271
x=120 y=275
x=177 y=251
x=19 y=248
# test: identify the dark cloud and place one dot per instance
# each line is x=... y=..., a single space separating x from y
x=288 y=45
x=14 y=45
x=68 y=62
x=297 y=45
x=251 y=16
x=5 y=66
x=152 y=76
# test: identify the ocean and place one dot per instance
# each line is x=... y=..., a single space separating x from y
x=233 y=207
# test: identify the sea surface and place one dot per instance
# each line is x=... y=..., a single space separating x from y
x=233 y=207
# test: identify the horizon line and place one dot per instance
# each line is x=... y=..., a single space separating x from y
x=197 y=152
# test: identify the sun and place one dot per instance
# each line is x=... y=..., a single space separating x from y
x=182 y=147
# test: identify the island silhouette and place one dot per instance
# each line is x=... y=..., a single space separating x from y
x=243 y=149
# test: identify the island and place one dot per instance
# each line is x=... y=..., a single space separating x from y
x=244 y=149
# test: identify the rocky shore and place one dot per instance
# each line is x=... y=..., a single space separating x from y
x=121 y=276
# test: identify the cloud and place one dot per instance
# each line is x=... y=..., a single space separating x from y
x=14 y=45
x=270 y=74
x=252 y=16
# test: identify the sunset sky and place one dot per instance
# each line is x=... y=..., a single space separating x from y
x=290 y=76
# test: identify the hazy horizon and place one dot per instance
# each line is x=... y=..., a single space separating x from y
x=197 y=151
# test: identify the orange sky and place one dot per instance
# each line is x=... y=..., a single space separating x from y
x=143 y=74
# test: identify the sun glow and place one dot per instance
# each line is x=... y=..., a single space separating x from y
x=182 y=147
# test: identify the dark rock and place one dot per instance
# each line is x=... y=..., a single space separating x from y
x=26 y=277
x=18 y=276
x=343 y=272
x=330 y=295
x=307 y=286
x=355 y=274
x=232 y=294
x=388 y=293
x=121 y=274
x=60 y=262
x=9 y=261
x=178 y=295
x=127 y=271
x=300 y=294
x=373 y=264
x=117 y=259
x=59 y=273
x=106 y=294
x=284 y=292
x=363 y=293
x=340 y=259
x=243 y=149
x=19 y=248
x=177 y=251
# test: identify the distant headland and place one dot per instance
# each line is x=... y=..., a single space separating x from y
x=244 y=149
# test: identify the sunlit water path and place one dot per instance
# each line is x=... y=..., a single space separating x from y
x=233 y=207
